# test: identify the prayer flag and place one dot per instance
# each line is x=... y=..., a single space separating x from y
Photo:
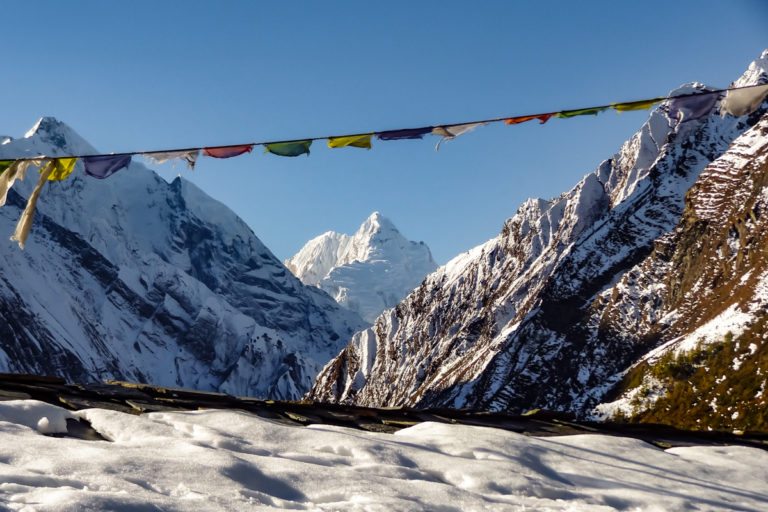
x=565 y=114
x=452 y=131
x=410 y=133
x=358 y=141
x=543 y=118
x=295 y=148
x=62 y=167
x=689 y=108
x=742 y=102
x=16 y=171
x=636 y=105
x=103 y=166
x=160 y=157
x=228 y=151
x=25 y=221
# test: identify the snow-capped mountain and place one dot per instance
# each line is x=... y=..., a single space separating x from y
x=367 y=272
x=701 y=297
x=511 y=325
x=138 y=279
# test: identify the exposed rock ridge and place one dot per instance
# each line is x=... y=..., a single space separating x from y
x=707 y=282
x=507 y=326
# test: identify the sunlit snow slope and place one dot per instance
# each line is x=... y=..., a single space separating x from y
x=138 y=279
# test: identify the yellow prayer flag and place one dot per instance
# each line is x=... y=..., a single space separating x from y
x=635 y=105
x=62 y=167
x=358 y=141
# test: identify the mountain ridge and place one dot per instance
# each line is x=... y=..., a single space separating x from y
x=503 y=327
x=134 y=278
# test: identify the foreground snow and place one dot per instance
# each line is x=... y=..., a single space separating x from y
x=227 y=460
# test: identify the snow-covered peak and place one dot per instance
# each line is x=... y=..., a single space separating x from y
x=377 y=238
x=374 y=224
x=50 y=137
x=318 y=256
x=756 y=73
x=365 y=272
x=506 y=325
x=689 y=88
x=153 y=282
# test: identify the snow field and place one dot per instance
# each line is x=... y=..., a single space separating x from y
x=228 y=460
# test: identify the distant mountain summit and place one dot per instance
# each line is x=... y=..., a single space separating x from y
x=134 y=278
x=367 y=272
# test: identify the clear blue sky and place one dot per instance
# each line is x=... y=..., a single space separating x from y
x=142 y=75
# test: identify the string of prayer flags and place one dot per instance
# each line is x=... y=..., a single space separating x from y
x=16 y=171
x=543 y=118
x=593 y=111
x=636 y=105
x=738 y=102
x=160 y=157
x=453 y=131
x=689 y=108
x=742 y=102
x=228 y=151
x=410 y=133
x=294 y=148
x=357 y=141
x=104 y=166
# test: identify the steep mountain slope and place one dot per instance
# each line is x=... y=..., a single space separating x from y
x=707 y=283
x=135 y=278
x=508 y=326
x=367 y=272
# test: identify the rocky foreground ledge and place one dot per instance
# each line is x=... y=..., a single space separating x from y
x=137 y=398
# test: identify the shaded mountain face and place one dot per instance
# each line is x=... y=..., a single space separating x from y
x=516 y=323
x=367 y=272
x=138 y=279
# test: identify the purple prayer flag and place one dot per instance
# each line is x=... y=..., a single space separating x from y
x=411 y=133
x=104 y=166
x=688 y=108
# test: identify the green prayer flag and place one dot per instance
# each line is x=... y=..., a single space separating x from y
x=358 y=141
x=635 y=105
x=4 y=164
x=565 y=114
x=296 y=148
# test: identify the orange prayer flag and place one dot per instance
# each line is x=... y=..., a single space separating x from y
x=543 y=118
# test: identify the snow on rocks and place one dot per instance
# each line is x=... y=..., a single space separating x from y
x=367 y=272
x=550 y=273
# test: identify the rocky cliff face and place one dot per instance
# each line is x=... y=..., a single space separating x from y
x=516 y=323
x=701 y=296
x=367 y=272
x=138 y=279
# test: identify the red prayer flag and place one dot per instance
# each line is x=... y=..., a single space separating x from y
x=228 y=151
x=543 y=118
